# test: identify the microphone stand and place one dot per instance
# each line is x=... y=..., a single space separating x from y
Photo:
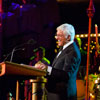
x=14 y=49
x=31 y=41
x=12 y=54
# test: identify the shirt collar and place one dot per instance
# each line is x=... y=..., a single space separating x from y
x=67 y=44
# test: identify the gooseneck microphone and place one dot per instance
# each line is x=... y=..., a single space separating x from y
x=18 y=47
x=11 y=53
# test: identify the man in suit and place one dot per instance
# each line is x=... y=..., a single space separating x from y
x=62 y=75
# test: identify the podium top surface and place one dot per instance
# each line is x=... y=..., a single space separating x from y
x=10 y=68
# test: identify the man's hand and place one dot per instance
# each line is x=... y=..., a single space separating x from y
x=40 y=65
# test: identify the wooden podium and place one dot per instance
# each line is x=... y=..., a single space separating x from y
x=21 y=70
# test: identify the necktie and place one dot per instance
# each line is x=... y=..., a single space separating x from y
x=60 y=50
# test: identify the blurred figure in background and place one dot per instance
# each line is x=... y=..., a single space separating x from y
x=39 y=55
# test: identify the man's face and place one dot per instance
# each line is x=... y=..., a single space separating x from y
x=60 y=37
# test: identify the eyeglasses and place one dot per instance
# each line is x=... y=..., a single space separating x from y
x=58 y=35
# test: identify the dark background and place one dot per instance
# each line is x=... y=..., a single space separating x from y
x=37 y=20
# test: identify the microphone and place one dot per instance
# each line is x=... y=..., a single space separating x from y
x=31 y=41
x=11 y=53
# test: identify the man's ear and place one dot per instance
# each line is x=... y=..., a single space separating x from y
x=69 y=38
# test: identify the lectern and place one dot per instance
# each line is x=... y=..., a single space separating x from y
x=21 y=70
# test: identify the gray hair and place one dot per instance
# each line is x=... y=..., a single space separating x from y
x=67 y=29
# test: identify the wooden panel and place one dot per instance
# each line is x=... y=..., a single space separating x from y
x=9 y=68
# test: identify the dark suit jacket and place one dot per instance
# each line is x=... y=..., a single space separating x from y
x=62 y=80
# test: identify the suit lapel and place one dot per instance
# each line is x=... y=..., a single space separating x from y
x=62 y=53
x=55 y=59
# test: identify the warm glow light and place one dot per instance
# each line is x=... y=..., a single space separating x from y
x=84 y=48
x=96 y=81
x=3 y=69
x=91 y=35
x=98 y=35
x=99 y=68
x=77 y=36
x=86 y=35
x=98 y=86
x=90 y=45
x=94 y=35
x=91 y=95
x=94 y=42
x=21 y=6
x=86 y=44
x=98 y=78
x=93 y=46
x=91 y=41
x=82 y=35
